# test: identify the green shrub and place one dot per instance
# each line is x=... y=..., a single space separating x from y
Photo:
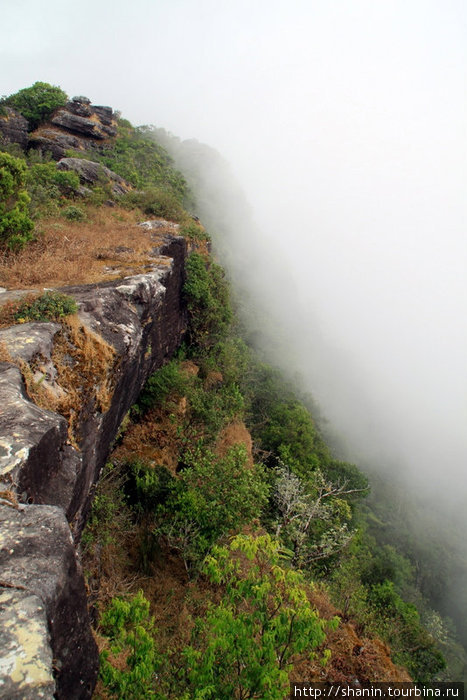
x=398 y=623
x=47 y=186
x=168 y=380
x=137 y=157
x=130 y=630
x=194 y=232
x=207 y=296
x=147 y=487
x=73 y=213
x=16 y=227
x=50 y=306
x=155 y=201
x=213 y=495
x=36 y=103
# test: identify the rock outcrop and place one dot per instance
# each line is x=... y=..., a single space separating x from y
x=45 y=473
x=79 y=126
x=13 y=127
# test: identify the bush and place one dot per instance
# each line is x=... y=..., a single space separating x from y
x=143 y=162
x=207 y=296
x=36 y=103
x=195 y=232
x=160 y=385
x=50 y=306
x=155 y=201
x=47 y=186
x=73 y=213
x=16 y=227
x=399 y=624
x=213 y=496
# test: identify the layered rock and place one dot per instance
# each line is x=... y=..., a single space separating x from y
x=142 y=319
x=79 y=126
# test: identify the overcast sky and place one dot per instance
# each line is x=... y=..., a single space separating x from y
x=344 y=121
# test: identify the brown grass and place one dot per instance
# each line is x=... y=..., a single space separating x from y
x=85 y=364
x=235 y=433
x=155 y=440
x=68 y=252
x=4 y=352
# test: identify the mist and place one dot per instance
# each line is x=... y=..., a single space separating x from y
x=344 y=125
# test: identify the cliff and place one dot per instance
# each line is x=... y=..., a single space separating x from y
x=126 y=329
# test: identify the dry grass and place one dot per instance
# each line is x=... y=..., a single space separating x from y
x=235 y=433
x=85 y=364
x=155 y=440
x=107 y=245
x=4 y=352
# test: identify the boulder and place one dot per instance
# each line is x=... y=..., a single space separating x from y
x=105 y=114
x=79 y=106
x=81 y=100
x=13 y=127
x=90 y=172
x=82 y=126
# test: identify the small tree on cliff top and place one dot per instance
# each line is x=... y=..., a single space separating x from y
x=36 y=103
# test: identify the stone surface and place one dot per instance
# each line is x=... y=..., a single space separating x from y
x=105 y=114
x=37 y=557
x=78 y=126
x=29 y=339
x=26 y=660
x=83 y=126
x=14 y=127
x=53 y=141
x=36 y=461
x=90 y=172
x=144 y=319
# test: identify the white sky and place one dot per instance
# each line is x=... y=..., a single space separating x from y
x=344 y=121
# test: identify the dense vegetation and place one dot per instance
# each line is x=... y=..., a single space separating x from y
x=255 y=529
x=299 y=503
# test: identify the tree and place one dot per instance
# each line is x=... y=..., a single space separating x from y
x=36 y=103
x=245 y=646
x=213 y=495
x=130 y=631
x=312 y=521
x=15 y=224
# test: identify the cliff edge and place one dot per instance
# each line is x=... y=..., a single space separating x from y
x=95 y=365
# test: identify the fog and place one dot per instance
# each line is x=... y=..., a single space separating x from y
x=344 y=123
